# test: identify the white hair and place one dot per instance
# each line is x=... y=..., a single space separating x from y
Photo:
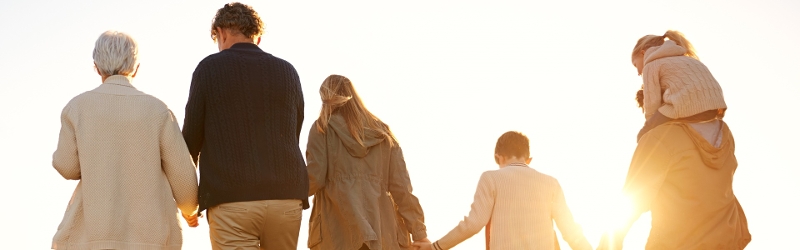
x=116 y=53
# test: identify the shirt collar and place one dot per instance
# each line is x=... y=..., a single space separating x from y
x=517 y=165
x=245 y=46
x=117 y=85
x=119 y=80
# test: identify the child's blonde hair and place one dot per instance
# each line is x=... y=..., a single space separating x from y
x=648 y=41
x=339 y=96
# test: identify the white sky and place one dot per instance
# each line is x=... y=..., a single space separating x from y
x=448 y=77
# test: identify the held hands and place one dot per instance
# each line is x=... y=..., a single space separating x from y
x=609 y=242
x=423 y=244
x=604 y=243
x=191 y=219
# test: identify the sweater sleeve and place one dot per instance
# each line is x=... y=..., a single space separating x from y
x=570 y=230
x=177 y=165
x=652 y=88
x=65 y=159
x=407 y=204
x=194 y=120
x=478 y=217
x=300 y=102
x=316 y=160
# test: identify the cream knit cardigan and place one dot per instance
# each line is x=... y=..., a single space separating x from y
x=135 y=171
x=687 y=85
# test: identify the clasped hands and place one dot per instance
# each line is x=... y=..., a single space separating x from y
x=192 y=220
x=609 y=242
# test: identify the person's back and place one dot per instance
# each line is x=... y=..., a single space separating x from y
x=362 y=191
x=243 y=118
x=126 y=149
x=533 y=202
x=676 y=85
x=682 y=169
x=687 y=182
x=253 y=113
x=517 y=204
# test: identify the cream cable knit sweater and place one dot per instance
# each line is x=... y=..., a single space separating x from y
x=687 y=85
x=135 y=171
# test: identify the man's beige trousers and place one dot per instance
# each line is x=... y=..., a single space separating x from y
x=254 y=225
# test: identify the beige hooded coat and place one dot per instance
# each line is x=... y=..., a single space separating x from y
x=362 y=193
x=686 y=183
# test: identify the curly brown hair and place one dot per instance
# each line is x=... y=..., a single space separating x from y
x=238 y=17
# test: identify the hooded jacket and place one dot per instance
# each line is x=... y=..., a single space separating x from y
x=678 y=86
x=362 y=193
x=686 y=183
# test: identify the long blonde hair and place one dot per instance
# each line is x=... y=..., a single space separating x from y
x=648 y=41
x=339 y=96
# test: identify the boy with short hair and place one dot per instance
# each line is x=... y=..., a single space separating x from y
x=517 y=204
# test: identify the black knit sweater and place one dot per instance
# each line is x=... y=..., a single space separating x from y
x=244 y=116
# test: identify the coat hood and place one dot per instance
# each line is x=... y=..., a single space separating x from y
x=371 y=137
x=669 y=48
x=713 y=157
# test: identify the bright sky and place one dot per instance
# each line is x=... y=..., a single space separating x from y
x=448 y=77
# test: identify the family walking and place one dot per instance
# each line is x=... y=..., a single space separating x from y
x=243 y=118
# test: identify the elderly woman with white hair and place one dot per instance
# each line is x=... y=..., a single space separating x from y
x=128 y=152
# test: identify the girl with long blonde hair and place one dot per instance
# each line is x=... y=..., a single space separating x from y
x=338 y=95
x=357 y=174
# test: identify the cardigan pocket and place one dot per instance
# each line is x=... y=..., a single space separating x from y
x=315 y=231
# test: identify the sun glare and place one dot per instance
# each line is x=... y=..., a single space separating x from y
x=606 y=218
x=618 y=211
x=612 y=216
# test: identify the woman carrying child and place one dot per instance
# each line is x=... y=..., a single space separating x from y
x=682 y=169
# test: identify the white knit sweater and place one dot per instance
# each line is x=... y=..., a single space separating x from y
x=687 y=85
x=126 y=149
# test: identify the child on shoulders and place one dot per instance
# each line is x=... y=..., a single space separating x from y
x=677 y=86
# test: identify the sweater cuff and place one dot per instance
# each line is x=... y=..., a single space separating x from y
x=444 y=243
x=419 y=235
x=436 y=246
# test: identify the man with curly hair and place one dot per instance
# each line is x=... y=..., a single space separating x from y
x=244 y=115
